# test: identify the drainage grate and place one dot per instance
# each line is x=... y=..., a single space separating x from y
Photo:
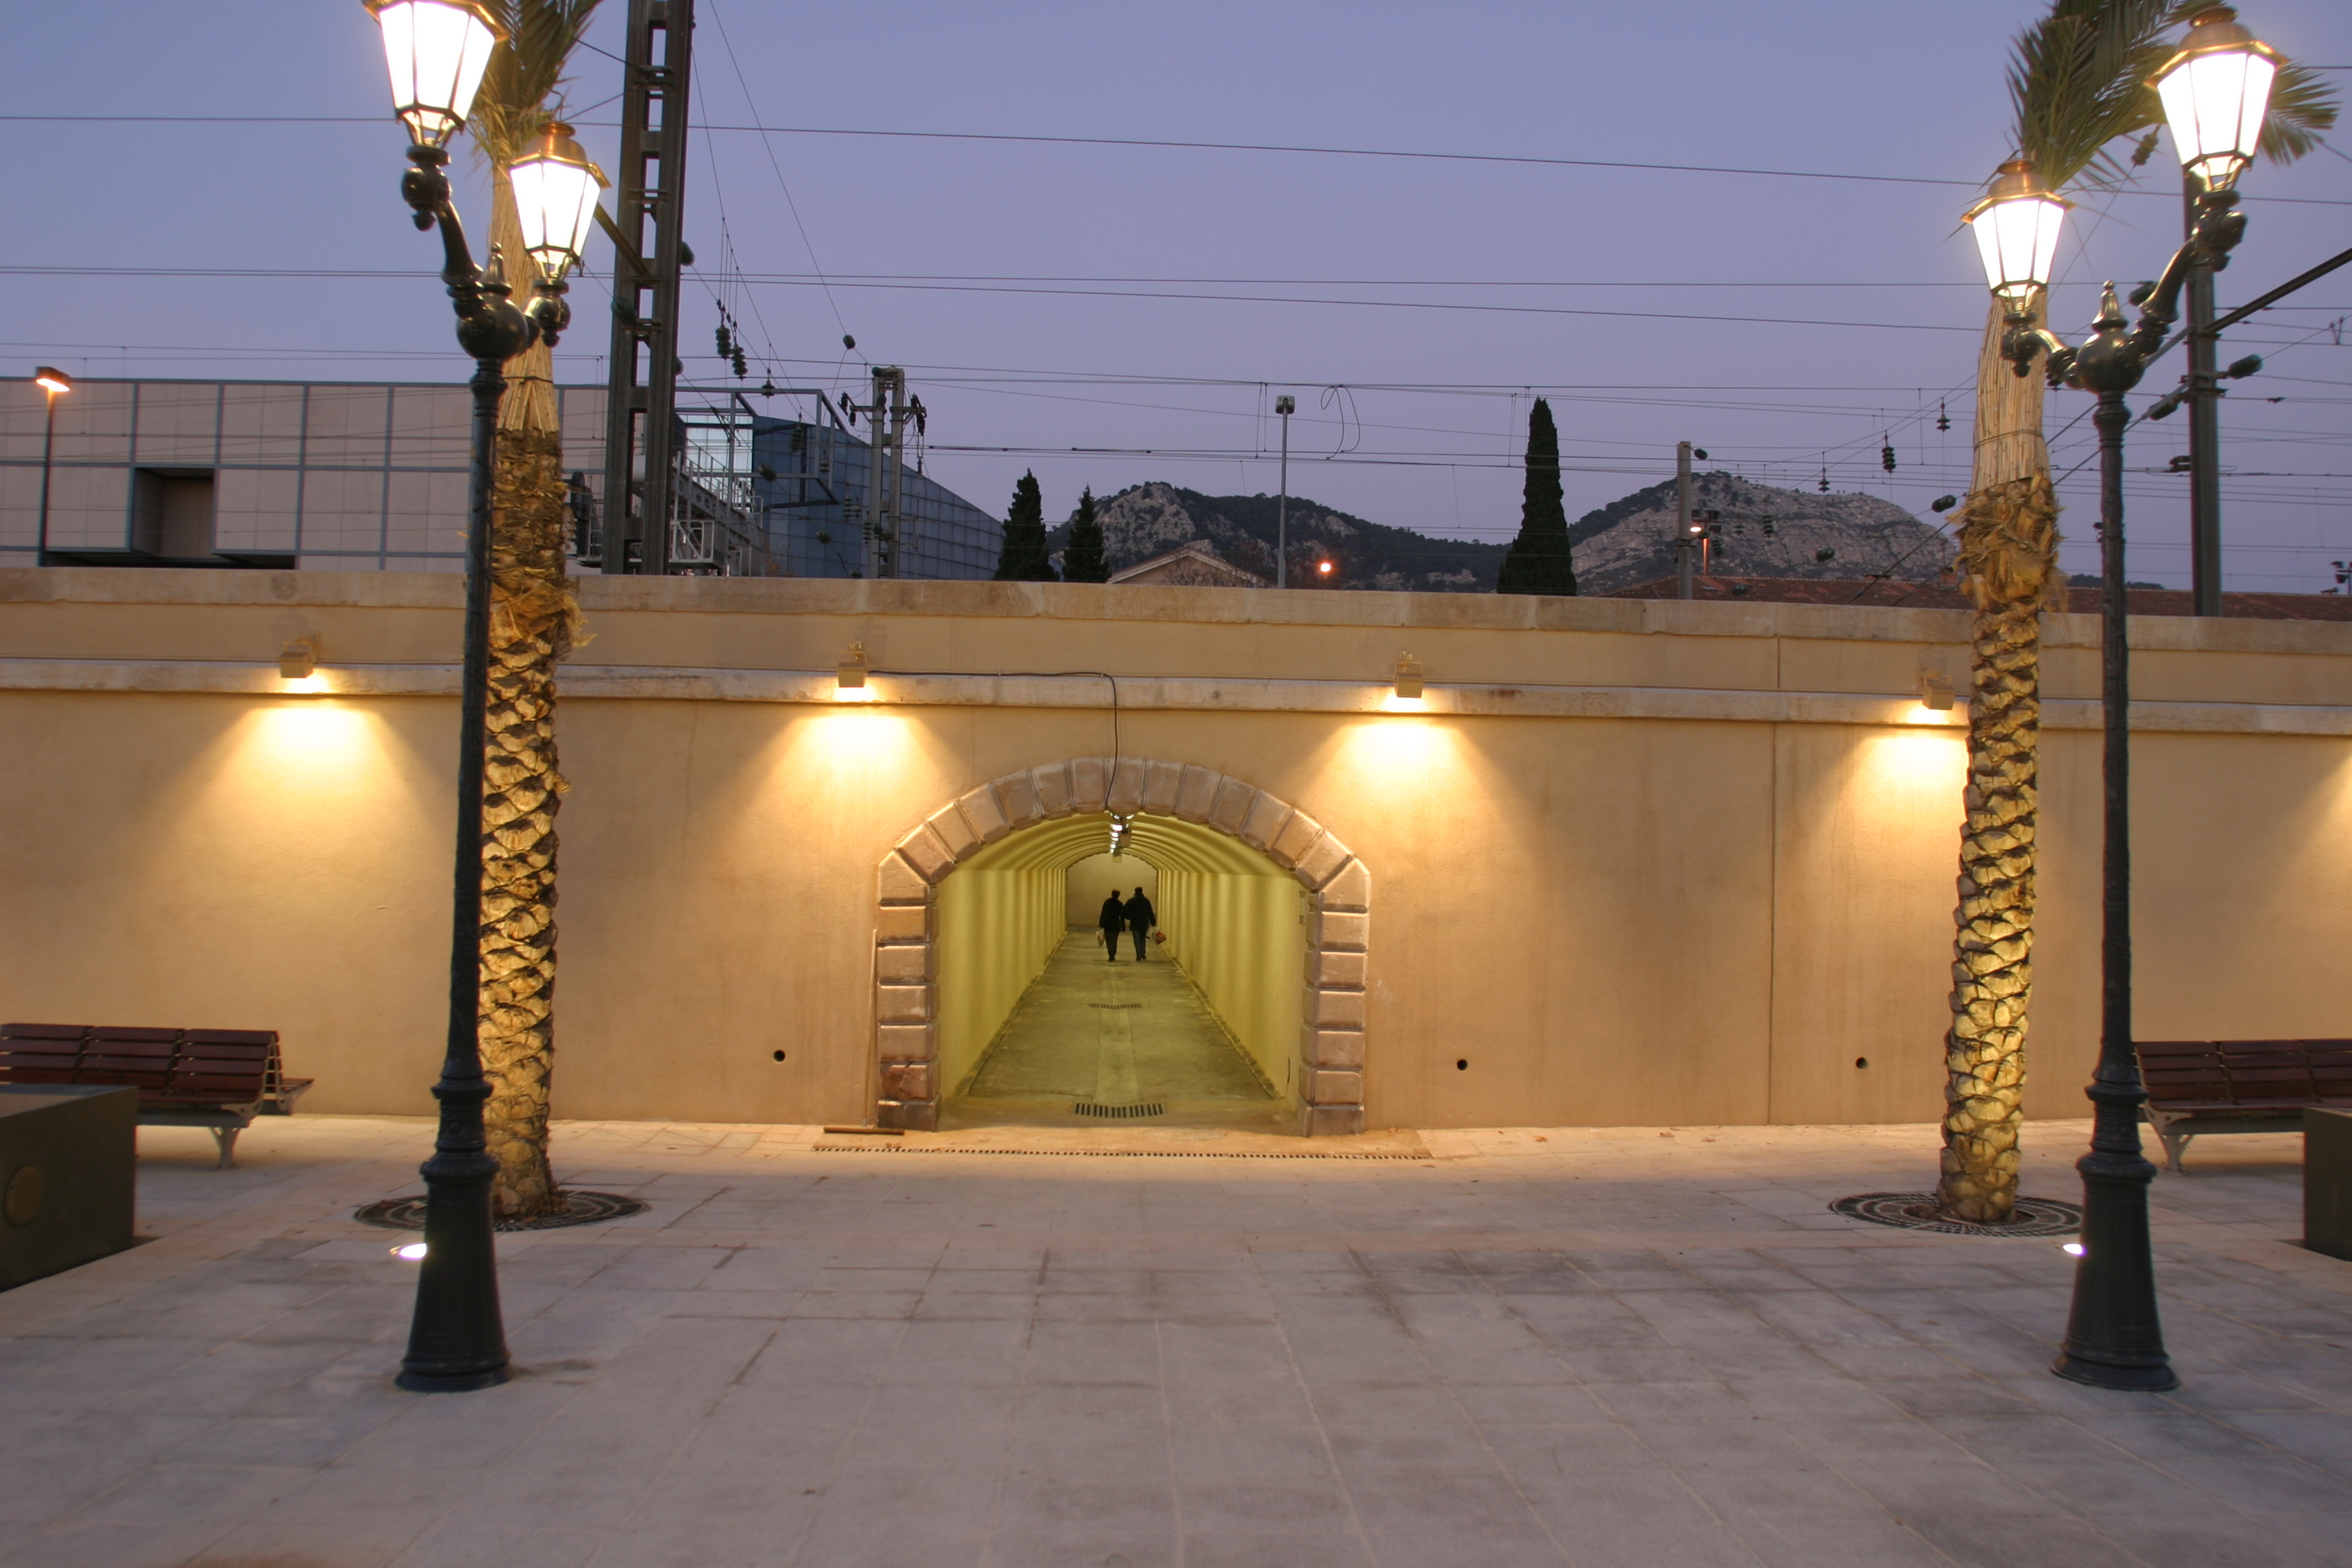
x=579 y=1208
x=1916 y=1211
x=1120 y=1112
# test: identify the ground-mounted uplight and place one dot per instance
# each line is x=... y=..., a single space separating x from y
x=412 y=1252
x=2072 y=1248
x=2215 y=91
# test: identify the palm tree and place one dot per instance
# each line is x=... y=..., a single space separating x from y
x=534 y=621
x=2078 y=83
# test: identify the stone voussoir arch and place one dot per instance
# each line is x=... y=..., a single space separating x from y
x=906 y=930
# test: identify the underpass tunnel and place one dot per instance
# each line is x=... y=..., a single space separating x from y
x=1209 y=1025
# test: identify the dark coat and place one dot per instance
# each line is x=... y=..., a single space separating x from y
x=1114 y=914
x=1139 y=913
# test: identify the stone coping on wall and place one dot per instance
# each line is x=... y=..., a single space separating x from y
x=1143 y=694
x=1125 y=601
x=1332 y=1047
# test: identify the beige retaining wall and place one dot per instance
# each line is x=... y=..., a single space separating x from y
x=1637 y=863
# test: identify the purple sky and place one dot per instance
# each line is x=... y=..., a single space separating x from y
x=1432 y=416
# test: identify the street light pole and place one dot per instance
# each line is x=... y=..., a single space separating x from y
x=51 y=381
x=2214 y=90
x=437 y=50
x=1285 y=405
x=2204 y=388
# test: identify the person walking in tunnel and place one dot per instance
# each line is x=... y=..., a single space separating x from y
x=1141 y=917
x=1113 y=920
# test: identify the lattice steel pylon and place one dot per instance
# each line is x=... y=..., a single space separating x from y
x=640 y=416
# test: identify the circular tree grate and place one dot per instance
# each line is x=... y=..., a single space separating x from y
x=1916 y=1211
x=579 y=1208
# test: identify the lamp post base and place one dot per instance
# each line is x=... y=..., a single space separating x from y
x=453 y=1383
x=2141 y=1378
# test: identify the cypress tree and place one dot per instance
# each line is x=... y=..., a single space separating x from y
x=1082 y=557
x=1023 y=559
x=1538 y=559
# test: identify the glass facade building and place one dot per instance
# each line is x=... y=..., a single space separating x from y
x=371 y=476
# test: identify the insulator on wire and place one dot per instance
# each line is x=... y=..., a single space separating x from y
x=1943 y=419
x=1886 y=454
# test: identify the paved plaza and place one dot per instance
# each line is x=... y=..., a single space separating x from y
x=1622 y=1347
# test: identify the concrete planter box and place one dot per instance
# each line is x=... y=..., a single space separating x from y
x=65 y=1177
x=2327 y=1182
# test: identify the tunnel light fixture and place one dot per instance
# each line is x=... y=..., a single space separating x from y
x=1119 y=827
x=849 y=675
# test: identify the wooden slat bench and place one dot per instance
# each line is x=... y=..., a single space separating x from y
x=2238 y=1086
x=219 y=1080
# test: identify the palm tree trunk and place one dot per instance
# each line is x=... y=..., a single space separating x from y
x=2009 y=552
x=533 y=619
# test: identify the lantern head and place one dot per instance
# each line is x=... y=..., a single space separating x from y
x=51 y=380
x=555 y=189
x=2215 y=90
x=436 y=51
x=2017 y=226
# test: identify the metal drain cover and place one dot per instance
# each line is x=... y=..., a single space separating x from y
x=579 y=1208
x=1121 y=1113
x=1916 y=1211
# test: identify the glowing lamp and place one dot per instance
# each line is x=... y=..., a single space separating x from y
x=1935 y=691
x=1323 y=568
x=2215 y=91
x=51 y=380
x=2017 y=226
x=436 y=51
x=555 y=189
x=1408 y=677
x=412 y=1252
x=850 y=675
x=297 y=660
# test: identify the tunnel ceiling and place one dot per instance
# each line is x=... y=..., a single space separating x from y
x=1162 y=843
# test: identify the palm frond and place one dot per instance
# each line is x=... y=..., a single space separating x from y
x=522 y=89
x=2302 y=105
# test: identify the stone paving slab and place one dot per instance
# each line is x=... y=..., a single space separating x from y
x=1591 y=1346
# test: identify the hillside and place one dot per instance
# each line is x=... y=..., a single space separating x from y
x=1148 y=519
x=1764 y=532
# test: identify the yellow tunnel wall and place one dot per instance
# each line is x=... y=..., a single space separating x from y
x=1243 y=940
x=996 y=930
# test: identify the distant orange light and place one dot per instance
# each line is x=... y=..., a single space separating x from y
x=1324 y=567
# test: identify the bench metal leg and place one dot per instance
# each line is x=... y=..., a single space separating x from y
x=226 y=1138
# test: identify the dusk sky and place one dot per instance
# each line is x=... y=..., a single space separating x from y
x=1046 y=297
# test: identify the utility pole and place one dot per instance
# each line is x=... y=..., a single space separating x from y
x=1285 y=405
x=885 y=436
x=2204 y=421
x=648 y=249
x=1684 y=586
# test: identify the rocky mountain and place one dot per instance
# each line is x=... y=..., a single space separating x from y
x=1148 y=519
x=1763 y=531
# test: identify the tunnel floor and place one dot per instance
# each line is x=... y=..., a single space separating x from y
x=1118 y=1037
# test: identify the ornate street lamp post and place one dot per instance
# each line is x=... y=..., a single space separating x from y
x=436 y=51
x=2214 y=92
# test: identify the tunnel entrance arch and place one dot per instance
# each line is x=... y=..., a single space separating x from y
x=1331 y=1045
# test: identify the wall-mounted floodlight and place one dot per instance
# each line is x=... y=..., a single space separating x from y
x=1408 y=677
x=1935 y=690
x=299 y=660
x=851 y=673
